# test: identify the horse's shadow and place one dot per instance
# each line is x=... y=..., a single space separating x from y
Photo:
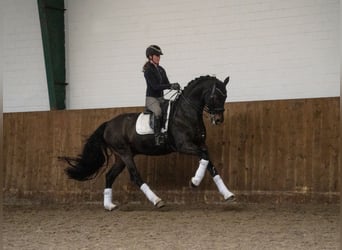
x=174 y=207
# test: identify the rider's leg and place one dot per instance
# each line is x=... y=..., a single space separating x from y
x=159 y=139
x=153 y=104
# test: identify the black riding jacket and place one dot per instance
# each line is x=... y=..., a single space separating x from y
x=156 y=80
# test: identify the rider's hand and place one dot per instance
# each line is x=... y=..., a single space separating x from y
x=175 y=86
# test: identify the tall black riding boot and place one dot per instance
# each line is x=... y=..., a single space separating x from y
x=159 y=139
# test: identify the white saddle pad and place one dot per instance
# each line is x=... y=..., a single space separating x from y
x=142 y=125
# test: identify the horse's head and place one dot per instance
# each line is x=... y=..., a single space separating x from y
x=215 y=98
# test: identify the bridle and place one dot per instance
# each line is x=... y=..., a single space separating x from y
x=208 y=108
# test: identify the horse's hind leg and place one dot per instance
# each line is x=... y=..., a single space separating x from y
x=116 y=169
x=111 y=175
x=136 y=178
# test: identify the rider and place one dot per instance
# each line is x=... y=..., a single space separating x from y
x=156 y=81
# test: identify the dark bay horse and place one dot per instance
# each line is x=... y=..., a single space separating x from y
x=186 y=134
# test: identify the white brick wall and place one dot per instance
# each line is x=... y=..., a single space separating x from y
x=24 y=79
x=272 y=49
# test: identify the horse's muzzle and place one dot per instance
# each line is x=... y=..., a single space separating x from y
x=217 y=118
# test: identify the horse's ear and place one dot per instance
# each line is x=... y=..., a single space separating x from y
x=226 y=81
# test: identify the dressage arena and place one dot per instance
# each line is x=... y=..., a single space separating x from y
x=238 y=226
x=284 y=175
x=71 y=65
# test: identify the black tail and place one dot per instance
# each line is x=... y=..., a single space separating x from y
x=94 y=155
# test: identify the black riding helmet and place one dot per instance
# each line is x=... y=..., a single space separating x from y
x=153 y=50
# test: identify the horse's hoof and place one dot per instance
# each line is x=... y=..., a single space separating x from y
x=160 y=204
x=191 y=185
x=110 y=207
x=231 y=198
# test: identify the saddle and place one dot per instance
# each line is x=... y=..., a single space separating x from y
x=145 y=121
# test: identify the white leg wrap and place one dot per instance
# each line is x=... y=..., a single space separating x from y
x=149 y=194
x=107 y=199
x=196 y=180
x=222 y=187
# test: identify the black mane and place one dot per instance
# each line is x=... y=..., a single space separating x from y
x=200 y=79
x=197 y=80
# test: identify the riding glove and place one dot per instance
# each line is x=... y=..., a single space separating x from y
x=175 y=86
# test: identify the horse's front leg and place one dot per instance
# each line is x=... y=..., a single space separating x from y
x=206 y=164
x=223 y=189
x=136 y=179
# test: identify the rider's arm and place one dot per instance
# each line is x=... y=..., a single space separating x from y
x=155 y=81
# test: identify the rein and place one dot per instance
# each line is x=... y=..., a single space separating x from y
x=190 y=103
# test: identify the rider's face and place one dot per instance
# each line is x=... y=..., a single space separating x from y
x=155 y=59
